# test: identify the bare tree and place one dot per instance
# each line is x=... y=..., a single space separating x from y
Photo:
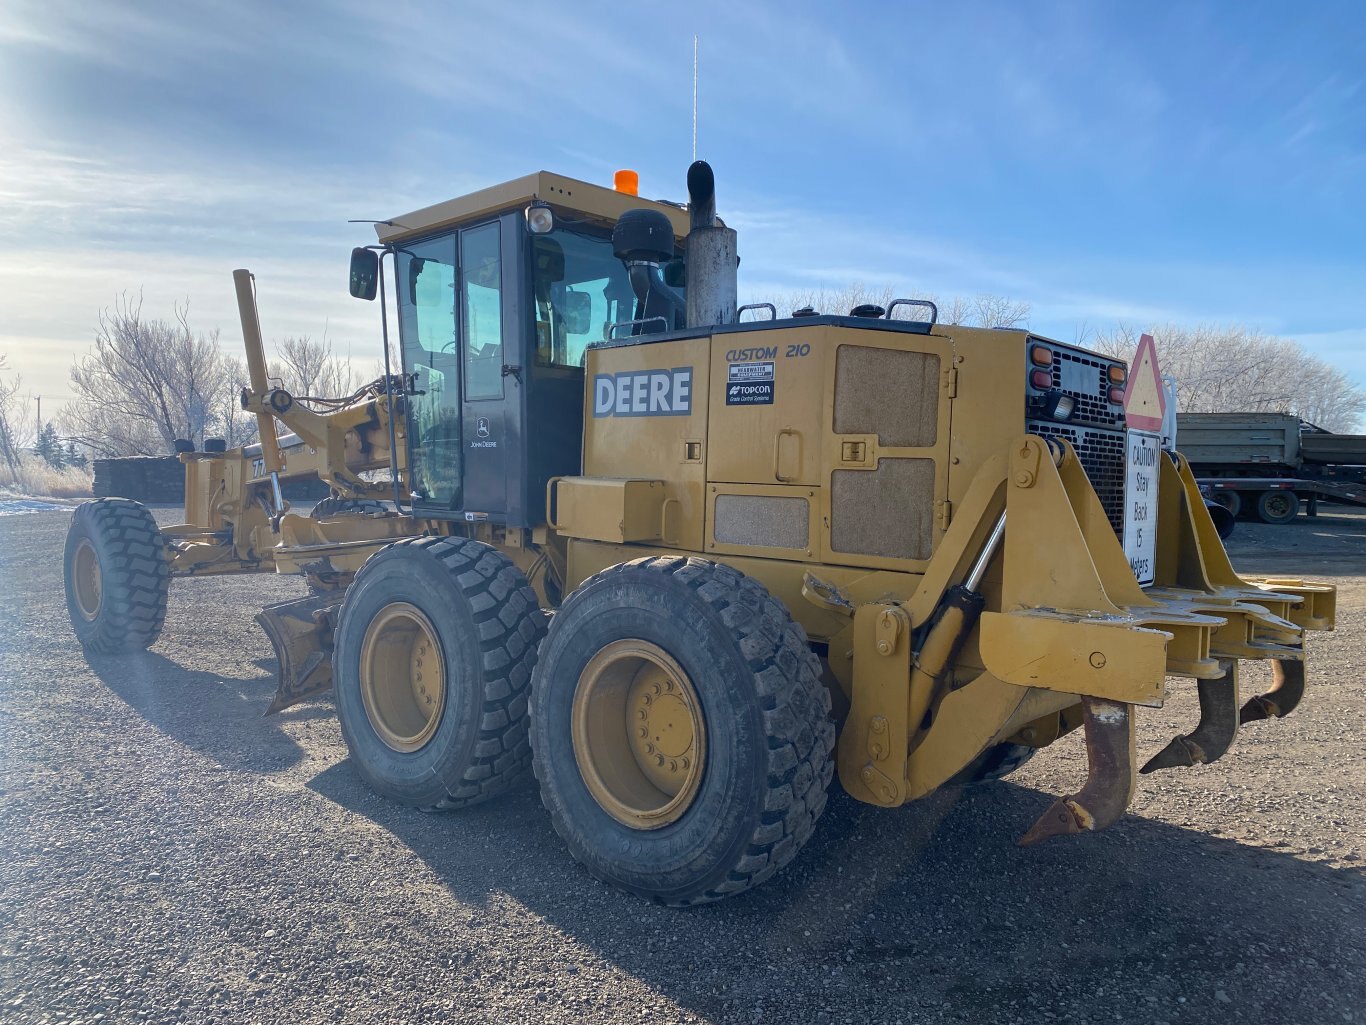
x=309 y=368
x=11 y=441
x=1241 y=370
x=145 y=384
x=975 y=311
x=234 y=424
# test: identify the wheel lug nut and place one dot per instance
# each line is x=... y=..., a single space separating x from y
x=648 y=699
x=673 y=766
x=642 y=732
x=686 y=763
x=643 y=714
x=649 y=749
x=659 y=760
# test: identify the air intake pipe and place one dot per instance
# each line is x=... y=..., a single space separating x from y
x=710 y=254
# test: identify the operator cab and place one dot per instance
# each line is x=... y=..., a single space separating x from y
x=499 y=295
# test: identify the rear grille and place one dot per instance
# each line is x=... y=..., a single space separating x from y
x=1102 y=457
x=1084 y=379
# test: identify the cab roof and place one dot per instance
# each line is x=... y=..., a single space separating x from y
x=583 y=199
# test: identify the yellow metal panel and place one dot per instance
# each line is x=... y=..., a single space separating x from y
x=989 y=408
x=846 y=452
x=631 y=439
x=770 y=443
x=871 y=755
x=603 y=509
x=965 y=723
x=1122 y=663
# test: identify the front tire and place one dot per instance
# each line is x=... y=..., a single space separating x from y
x=726 y=781
x=435 y=645
x=116 y=574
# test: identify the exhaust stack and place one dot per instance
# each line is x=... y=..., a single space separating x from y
x=710 y=253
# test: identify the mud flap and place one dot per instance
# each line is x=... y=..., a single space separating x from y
x=301 y=634
x=1110 y=778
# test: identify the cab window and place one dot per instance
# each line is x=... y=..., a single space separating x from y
x=580 y=290
x=481 y=285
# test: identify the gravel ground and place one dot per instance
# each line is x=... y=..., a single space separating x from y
x=168 y=854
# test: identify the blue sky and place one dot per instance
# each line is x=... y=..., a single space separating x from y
x=1145 y=163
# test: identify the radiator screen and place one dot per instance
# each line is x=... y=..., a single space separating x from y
x=887 y=512
x=887 y=392
x=765 y=521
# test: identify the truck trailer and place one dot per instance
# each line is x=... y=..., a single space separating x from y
x=1269 y=464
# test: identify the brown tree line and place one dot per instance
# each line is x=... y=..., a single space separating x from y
x=147 y=382
x=1240 y=370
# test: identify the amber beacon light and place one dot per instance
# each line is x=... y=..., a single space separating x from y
x=627 y=181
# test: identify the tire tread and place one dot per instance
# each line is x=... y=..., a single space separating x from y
x=135 y=576
x=508 y=648
x=794 y=706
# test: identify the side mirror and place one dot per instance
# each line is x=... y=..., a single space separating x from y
x=364 y=272
x=578 y=312
x=676 y=274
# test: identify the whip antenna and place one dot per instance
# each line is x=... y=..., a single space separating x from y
x=694 y=98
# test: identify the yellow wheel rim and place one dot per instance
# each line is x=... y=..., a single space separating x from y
x=85 y=572
x=639 y=734
x=402 y=677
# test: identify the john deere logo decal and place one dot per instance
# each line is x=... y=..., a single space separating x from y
x=482 y=430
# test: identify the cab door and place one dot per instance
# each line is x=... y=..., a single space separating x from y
x=490 y=343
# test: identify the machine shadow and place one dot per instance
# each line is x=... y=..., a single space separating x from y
x=196 y=709
x=895 y=896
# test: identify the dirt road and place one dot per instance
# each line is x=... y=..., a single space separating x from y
x=168 y=854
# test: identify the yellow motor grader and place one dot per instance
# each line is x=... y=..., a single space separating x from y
x=686 y=565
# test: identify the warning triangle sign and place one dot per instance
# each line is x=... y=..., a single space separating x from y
x=1145 y=400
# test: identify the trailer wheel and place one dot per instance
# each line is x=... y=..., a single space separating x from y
x=1278 y=506
x=116 y=574
x=682 y=735
x=435 y=645
x=1230 y=500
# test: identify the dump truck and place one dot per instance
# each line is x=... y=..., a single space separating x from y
x=1271 y=464
x=685 y=566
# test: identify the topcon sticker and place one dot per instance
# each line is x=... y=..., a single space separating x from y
x=750 y=384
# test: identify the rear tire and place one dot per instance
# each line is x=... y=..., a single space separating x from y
x=459 y=611
x=1278 y=506
x=116 y=574
x=731 y=660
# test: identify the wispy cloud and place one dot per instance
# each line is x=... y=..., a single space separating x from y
x=1091 y=161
